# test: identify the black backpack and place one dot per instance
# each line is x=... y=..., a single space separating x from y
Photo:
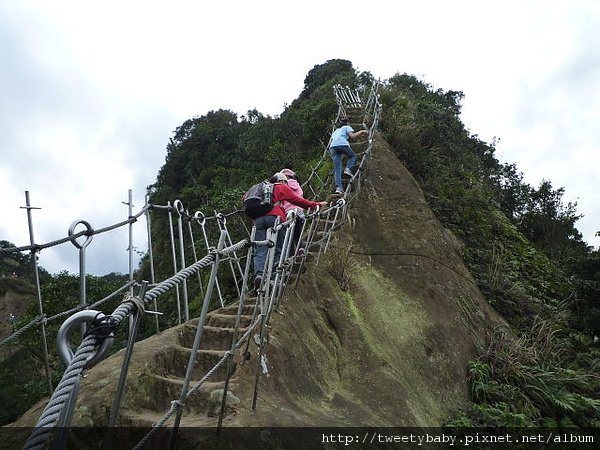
x=258 y=200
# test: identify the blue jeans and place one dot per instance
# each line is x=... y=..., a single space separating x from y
x=336 y=154
x=262 y=224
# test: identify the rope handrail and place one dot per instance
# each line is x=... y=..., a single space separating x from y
x=50 y=415
x=73 y=237
x=39 y=319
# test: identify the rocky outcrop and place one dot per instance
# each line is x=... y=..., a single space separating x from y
x=380 y=333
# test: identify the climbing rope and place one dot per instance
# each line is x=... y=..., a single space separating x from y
x=73 y=237
x=50 y=415
x=49 y=418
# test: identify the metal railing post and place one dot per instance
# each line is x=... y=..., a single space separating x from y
x=114 y=412
x=197 y=337
x=180 y=211
x=151 y=257
x=171 y=234
x=82 y=272
x=39 y=293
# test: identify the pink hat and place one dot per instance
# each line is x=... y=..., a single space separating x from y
x=288 y=172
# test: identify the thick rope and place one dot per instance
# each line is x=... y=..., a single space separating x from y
x=49 y=418
x=38 y=247
x=169 y=283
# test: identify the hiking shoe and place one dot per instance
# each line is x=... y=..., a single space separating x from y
x=348 y=172
x=257 y=282
x=339 y=191
x=300 y=252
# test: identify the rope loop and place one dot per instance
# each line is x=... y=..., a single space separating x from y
x=178 y=205
x=102 y=329
x=221 y=218
x=36 y=248
x=215 y=252
x=199 y=217
x=177 y=404
x=88 y=233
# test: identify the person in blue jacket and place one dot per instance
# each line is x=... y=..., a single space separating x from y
x=338 y=146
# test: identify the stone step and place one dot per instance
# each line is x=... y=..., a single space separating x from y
x=227 y=320
x=323 y=232
x=201 y=402
x=174 y=361
x=329 y=221
x=144 y=419
x=356 y=122
x=357 y=118
x=247 y=308
x=213 y=338
x=316 y=244
x=353 y=111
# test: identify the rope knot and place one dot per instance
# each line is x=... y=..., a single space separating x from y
x=102 y=328
x=137 y=302
x=176 y=404
x=215 y=252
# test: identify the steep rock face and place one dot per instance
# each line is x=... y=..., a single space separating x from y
x=379 y=333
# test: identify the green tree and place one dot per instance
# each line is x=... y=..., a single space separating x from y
x=549 y=223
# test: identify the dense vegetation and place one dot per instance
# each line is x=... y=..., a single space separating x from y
x=520 y=241
x=523 y=248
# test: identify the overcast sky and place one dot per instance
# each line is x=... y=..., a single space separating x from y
x=91 y=92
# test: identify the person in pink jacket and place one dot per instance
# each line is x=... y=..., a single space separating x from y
x=294 y=184
x=281 y=193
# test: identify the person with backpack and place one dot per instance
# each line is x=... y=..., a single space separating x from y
x=294 y=184
x=280 y=192
x=338 y=146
